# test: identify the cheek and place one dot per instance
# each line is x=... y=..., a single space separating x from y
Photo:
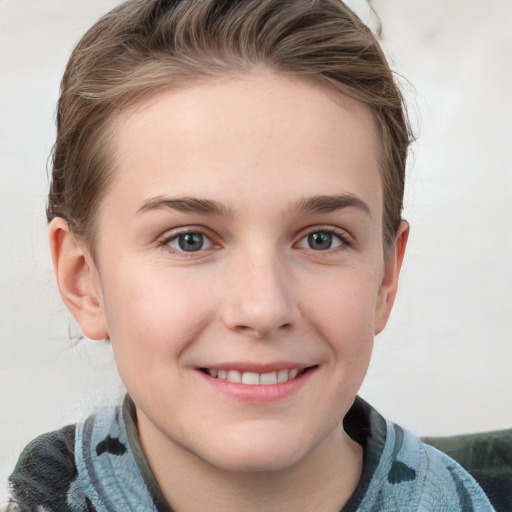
x=154 y=316
x=342 y=308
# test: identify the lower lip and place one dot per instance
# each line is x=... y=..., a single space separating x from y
x=259 y=393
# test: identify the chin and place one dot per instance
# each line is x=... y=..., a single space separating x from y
x=256 y=462
x=265 y=454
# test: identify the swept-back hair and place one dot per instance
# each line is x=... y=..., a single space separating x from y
x=145 y=46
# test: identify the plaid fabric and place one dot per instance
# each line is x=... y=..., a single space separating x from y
x=487 y=456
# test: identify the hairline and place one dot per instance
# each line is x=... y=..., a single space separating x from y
x=140 y=99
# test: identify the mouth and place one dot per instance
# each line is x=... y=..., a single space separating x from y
x=252 y=378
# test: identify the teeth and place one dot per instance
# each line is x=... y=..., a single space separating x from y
x=234 y=376
x=293 y=373
x=282 y=376
x=252 y=378
x=268 y=378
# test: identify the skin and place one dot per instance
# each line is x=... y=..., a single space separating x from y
x=262 y=149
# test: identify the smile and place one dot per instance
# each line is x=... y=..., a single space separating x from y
x=253 y=378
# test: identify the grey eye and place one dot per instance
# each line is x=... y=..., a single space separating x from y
x=190 y=242
x=321 y=241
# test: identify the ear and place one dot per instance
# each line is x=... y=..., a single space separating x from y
x=389 y=284
x=78 y=280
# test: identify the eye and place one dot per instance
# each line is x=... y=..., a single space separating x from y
x=189 y=242
x=321 y=241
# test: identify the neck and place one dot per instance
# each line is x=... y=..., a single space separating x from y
x=323 y=480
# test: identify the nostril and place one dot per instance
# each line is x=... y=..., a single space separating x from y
x=262 y=332
x=252 y=331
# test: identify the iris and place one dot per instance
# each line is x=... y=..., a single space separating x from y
x=320 y=241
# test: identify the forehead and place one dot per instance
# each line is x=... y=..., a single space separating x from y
x=256 y=137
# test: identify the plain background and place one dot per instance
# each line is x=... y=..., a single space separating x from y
x=444 y=363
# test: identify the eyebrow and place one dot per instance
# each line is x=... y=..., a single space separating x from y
x=315 y=204
x=186 y=205
x=328 y=204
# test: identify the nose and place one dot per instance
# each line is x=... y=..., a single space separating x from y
x=260 y=301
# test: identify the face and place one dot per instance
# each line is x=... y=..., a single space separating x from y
x=240 y=270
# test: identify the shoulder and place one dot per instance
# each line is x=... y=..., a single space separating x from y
x=44 y=472
x=81 y=468
x=401 y=472
x=59 y=471
x=487 y=456
x=446 y=481
x=426 y=478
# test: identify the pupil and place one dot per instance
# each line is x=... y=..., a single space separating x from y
x=320 y=241
x=190 y=242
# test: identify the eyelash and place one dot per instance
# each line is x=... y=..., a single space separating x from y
x=342 y=236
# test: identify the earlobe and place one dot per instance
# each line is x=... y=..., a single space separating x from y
x=389 y=284
x=78 y=280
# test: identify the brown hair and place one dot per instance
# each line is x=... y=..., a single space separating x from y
x=145 y=46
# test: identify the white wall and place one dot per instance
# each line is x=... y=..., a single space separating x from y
x=443 y=365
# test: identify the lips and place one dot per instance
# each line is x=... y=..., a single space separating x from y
x=258 y=384
x=253 y=378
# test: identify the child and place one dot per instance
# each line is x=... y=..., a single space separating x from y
x=225 y=208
